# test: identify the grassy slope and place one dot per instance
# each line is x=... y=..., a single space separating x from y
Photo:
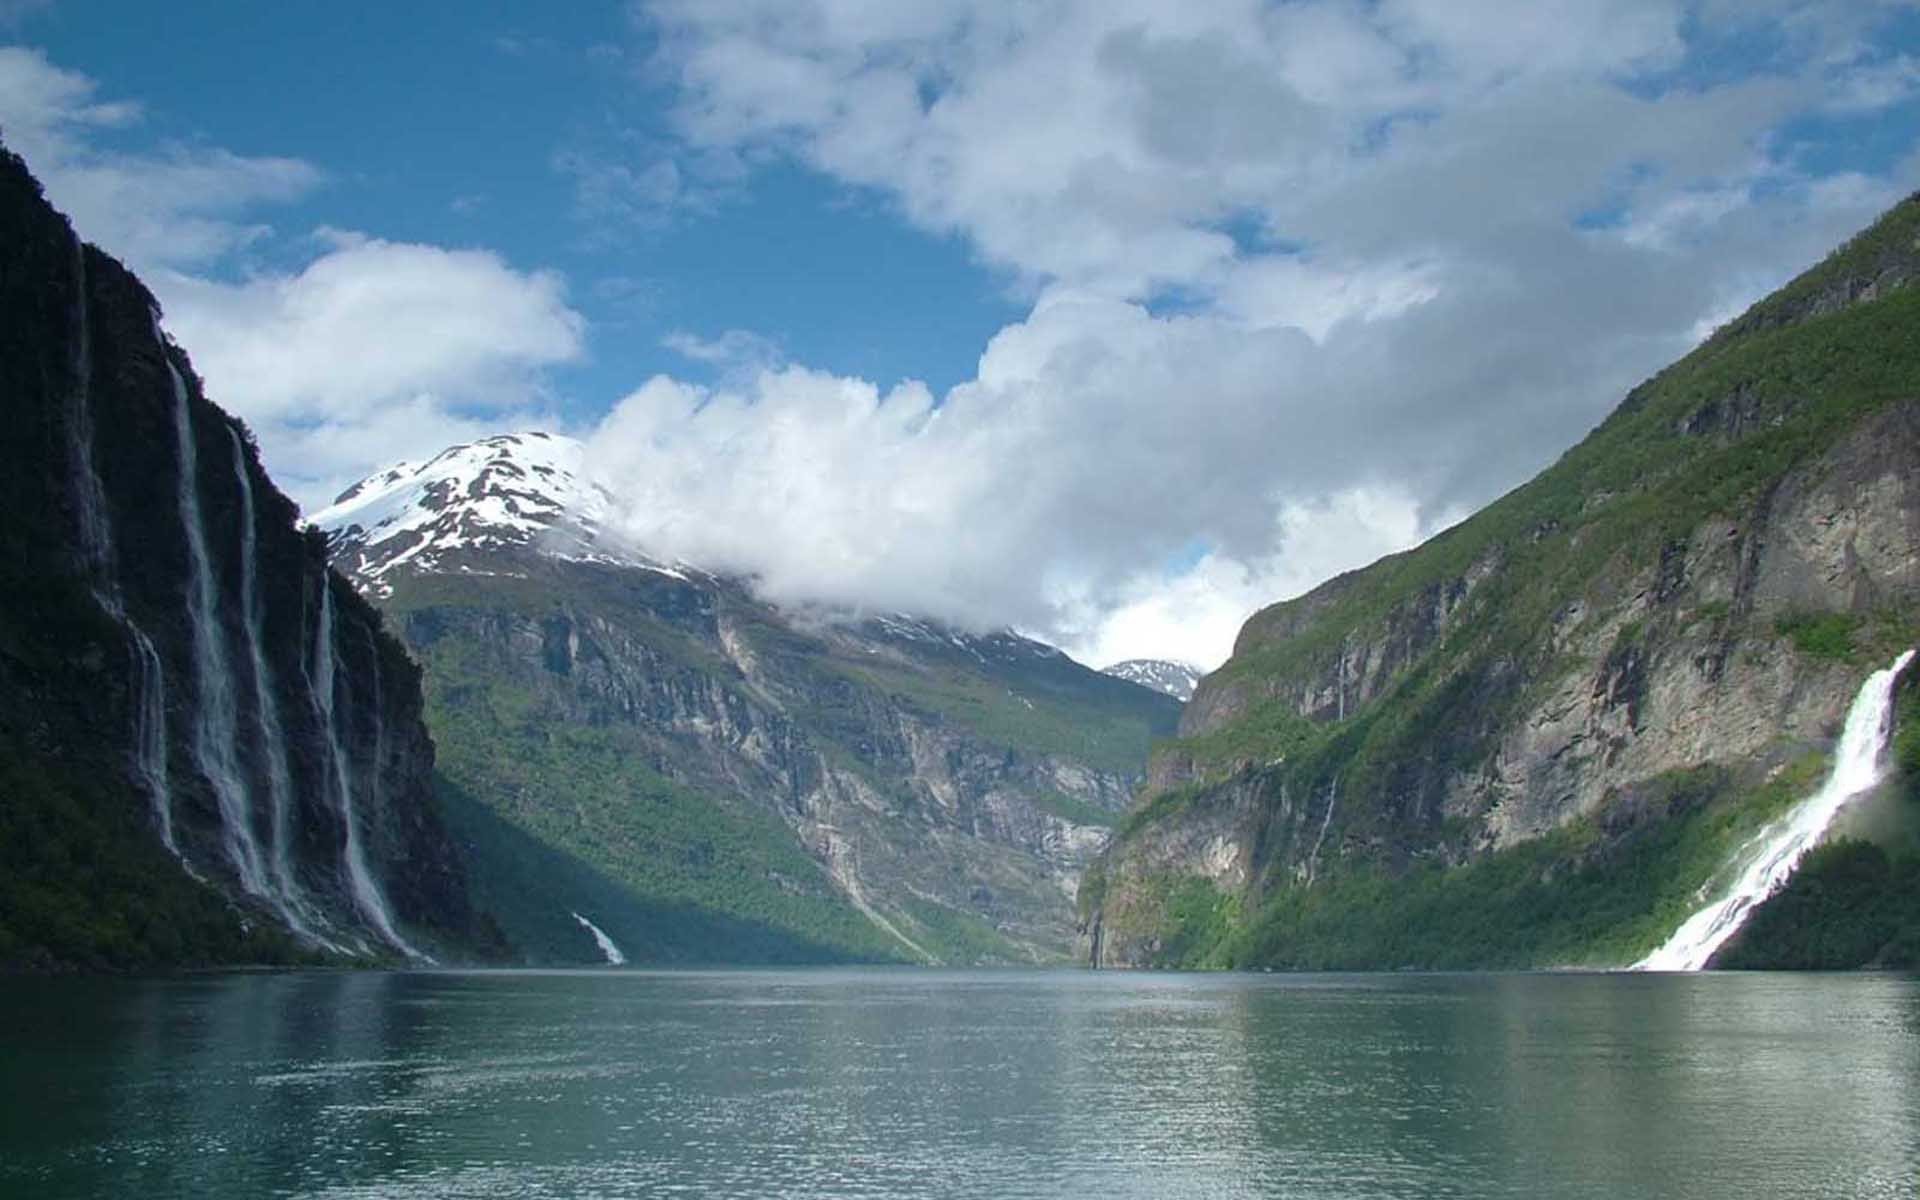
x=1605 y=510
x=694 y=876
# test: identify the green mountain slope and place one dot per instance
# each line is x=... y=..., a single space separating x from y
x=709 y=778
x=1532 y=740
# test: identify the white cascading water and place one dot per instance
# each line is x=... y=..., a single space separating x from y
x=1777 y=850
x=608 y=950
x=360 y=882
x=273 y=737
x=216 y=731
x=96 y=544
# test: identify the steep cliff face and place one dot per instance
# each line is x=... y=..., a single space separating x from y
x=213 y=751
x=820 y=788
x=1605 y=676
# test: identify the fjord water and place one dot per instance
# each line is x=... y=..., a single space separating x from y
x=898 y=1082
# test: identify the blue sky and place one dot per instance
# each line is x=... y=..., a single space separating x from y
x=447 y=124
x=1108 y=319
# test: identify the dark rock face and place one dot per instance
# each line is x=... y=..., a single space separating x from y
x=207 y=740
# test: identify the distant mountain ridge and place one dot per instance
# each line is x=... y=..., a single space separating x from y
x=1176 y=679
x=708 y=776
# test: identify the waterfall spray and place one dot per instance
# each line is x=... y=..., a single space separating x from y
x=267 y=717
x=216 y=724
x=96 y=549
x=360 y=882
x=1769 y=859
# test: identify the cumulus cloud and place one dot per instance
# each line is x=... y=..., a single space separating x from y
x=370 y=351
x=1309 y=280
x=375 y=349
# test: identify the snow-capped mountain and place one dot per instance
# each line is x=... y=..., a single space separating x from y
x=1176 y=679
x=448 y=514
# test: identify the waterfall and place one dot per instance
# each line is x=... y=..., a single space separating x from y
x=1769 y=859
x=360 y=882
x=1313 y=859
x=608 y=950
x=96 y=548
x=266 y=713
x=150 y=738
x=216 y=732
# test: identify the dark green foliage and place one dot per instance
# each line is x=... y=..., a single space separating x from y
x=1906 y=737
x=1850 y=904
x=1821 y=635
x=535 y=888
x=83 y=883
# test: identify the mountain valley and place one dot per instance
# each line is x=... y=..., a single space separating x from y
x=707 y=777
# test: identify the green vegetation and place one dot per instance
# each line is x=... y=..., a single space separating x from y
x=686 y=871
x=1821 y=635
x=83 y=883
x=1078 y=811
x=1109 y=729
x=1580 y=896
x=1851 y=904
x=959 y=937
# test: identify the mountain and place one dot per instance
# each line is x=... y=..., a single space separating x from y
x=1535 y=739
x=209 y=749
x=1176 y=679
x=648 y=750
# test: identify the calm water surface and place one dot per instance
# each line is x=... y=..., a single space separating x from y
x=895 y=1083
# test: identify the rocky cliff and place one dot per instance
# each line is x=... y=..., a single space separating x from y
x=710 y=777
x=211 y=750
x=1533 y=739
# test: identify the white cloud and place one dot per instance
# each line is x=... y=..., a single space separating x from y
x=370 y=351
x=1309 y=281
x=374 y=350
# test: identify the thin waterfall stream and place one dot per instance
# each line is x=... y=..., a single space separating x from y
x=366 y=893
x=97 y=550
x=216 y=723
x=267 y=718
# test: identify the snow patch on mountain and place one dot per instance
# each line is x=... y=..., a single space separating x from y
x=1176 y=679
x=517 y=490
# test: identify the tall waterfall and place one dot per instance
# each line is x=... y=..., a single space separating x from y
x=267 y=718
x=96 y=548
x=367 y=896
x=1770 y=858
x=216 y=727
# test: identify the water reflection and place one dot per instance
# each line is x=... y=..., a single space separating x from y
x=892 y=1083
